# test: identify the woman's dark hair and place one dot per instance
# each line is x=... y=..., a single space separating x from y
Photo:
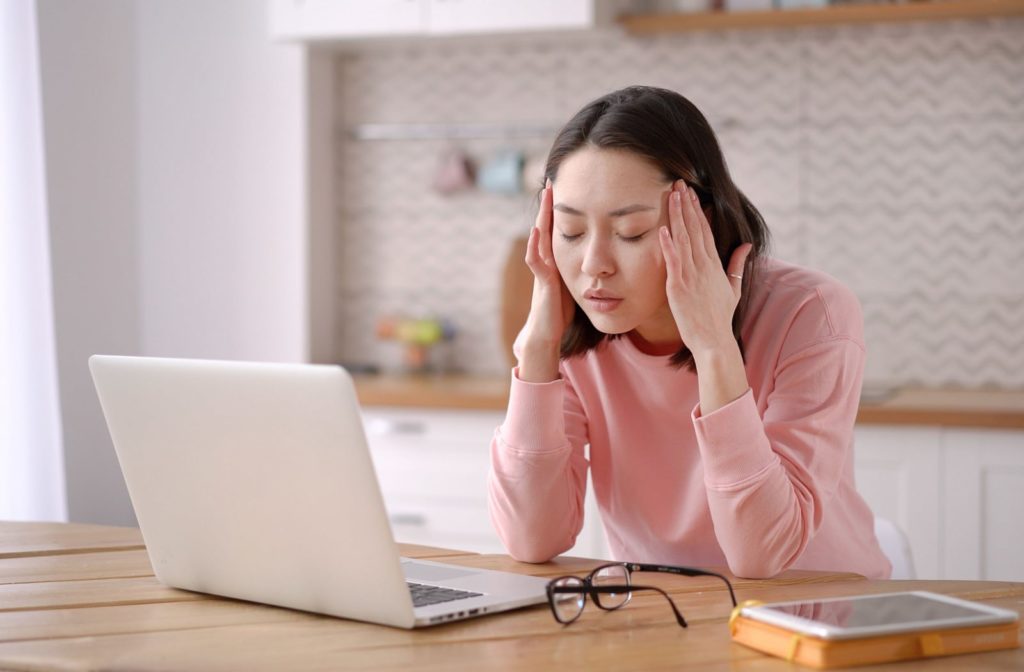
x=669 y=131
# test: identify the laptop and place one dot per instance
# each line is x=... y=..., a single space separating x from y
x=255 y=481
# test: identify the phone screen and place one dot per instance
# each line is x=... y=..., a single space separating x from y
x=879 y=610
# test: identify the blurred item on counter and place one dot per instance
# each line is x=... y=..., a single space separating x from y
x=748 y=5
x=690 y=6
x=865 y=2
x=533 y=173
x=455 y=172
x=503 y=174
x=801 y=4
x=417 y=336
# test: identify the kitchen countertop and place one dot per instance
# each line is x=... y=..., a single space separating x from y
x=993 y=409
x=910 y=406
x=449 y=391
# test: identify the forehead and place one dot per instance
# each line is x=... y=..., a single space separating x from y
x=590 y=172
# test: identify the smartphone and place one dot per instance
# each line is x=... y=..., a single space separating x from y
x=873 y=615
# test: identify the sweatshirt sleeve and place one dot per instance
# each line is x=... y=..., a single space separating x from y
x=770 y=478
x=538 y=474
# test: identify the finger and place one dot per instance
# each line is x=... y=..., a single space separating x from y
x=669 y=252
x=532 y=257
x=676 y=206
x=677 y=228
x=737 y=266
x=705 y=227
x=545 y=224
x=691 y=219
x=544 y=211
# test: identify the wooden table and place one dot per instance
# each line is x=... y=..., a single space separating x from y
x=77 y=597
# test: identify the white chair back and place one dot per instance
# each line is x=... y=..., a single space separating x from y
x=896 y=547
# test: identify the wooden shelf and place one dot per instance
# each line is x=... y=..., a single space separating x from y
x=991 y=409
x=938 y=10
x=995 y=409
x=450 y=391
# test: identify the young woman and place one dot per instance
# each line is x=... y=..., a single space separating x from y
x=716 y=387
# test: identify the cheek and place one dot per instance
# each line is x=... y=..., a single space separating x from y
x=651 y=258
x=655 y=257
x=649 y=268
x=563 y=258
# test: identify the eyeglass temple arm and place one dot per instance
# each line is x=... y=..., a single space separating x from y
x=671 y=602
x=684 y=571
x=592 y=589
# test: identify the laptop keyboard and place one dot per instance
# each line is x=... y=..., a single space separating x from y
x=423 y=595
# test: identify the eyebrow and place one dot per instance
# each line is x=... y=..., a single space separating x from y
x=620 y=212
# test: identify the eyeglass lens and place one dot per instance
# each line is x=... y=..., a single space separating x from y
x=612 y=575
x=567 y=606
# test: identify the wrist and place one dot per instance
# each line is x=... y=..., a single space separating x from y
x=538 y=363
x=724 y=353
x=721 y=376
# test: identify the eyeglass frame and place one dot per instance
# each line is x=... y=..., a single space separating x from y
x=587 y=587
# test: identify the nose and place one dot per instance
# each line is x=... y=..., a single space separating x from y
x=597 y=258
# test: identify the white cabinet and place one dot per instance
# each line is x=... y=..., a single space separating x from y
x=984 y=504
x=342 y=19
x=432 y=466
x=446 y=17
x=957 y=493
x=349 y=19
x=898 y=473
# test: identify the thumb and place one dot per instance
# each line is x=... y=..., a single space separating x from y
x=736 y=266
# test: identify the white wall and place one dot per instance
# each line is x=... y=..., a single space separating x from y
x=87 y=66
x=222 y=174
x=176 y=166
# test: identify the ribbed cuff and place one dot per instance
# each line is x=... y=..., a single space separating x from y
x=535 y=420
x=732 y=441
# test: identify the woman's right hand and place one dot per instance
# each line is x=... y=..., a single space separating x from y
x=551 y=306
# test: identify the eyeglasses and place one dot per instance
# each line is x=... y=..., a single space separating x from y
x=611 y=587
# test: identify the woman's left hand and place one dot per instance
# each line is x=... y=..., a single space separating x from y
x=701 y=294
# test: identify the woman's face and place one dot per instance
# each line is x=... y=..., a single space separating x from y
x=608 y=205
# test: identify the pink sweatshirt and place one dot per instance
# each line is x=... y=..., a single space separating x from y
x=762 y=485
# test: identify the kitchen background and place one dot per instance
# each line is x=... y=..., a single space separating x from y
x=891 y=156
x=214 y=192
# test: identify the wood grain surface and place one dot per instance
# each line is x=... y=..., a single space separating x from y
x=987 y=409
x=110 y=615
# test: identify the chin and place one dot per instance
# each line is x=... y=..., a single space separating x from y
x=609 y=325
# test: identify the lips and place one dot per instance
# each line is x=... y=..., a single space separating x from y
x=601 y=300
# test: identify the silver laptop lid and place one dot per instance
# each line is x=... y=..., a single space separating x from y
x=254 y=481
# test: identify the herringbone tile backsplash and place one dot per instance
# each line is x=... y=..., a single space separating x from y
x=891 y=156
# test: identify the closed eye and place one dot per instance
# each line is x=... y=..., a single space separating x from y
x=569 y=238
x=633 y=239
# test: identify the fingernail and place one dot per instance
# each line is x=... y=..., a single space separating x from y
x=547 y=184
x=693 y=195
x=675 y=197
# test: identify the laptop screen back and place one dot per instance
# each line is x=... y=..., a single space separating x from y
x=254 y=481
